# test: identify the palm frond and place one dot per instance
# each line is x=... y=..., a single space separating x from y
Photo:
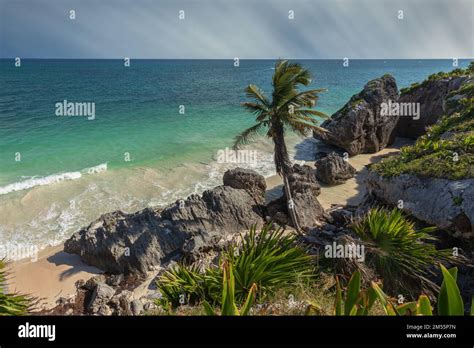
x=13 y=303
x=252 y=91
x=256 y=108
x=247 y=135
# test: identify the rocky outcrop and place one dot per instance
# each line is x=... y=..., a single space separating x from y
x=139 y=242
x=333 y=169
x=436 y=98
x=304 y=189
x=360 y=127
x=246 y=179
x=448 y=204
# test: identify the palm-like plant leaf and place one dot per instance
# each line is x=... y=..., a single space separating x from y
x=13 y=303
x=399 y=251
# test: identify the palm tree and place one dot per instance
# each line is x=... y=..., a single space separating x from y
x=289 y=108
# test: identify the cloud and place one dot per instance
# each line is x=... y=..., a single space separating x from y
x=224 y=29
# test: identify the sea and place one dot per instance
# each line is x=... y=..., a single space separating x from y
x=157 y=131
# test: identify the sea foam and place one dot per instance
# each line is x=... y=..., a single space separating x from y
x=51 y=179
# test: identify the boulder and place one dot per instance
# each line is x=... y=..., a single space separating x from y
x=142 y=241
x=305 y=190
x=136 y=307
x=436 y=98
x=126 y=243
x=333 y=169
x=360 y=127
x=448 y=204
x=100 y=297
x=247 y=179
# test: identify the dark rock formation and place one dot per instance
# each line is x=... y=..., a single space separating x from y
x=101 y=294
x=448 y=204
x=333 y=169
x=432 y=95
x=304 y=189
x=139 y=242
x=359 y=126
x=246 y=179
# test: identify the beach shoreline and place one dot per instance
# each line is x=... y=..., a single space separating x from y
x=54 y=274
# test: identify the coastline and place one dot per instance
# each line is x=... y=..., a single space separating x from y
x=55 y=272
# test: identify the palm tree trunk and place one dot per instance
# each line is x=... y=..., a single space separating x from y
x=284 y=168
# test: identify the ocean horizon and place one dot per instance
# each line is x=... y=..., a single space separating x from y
x=158 y=126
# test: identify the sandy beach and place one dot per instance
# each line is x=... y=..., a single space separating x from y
x=55 y=272
x=349 y=193
x=52 y=276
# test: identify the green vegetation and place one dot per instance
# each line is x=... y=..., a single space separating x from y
x=354 y=300
x=269 y=258
x=11 y=303
x=218 y=291
x=439 y=76
x=449 y=299
x=289 y=108
x=229 y=306
x=446 y=151
x=272 y=269
x=397 y=250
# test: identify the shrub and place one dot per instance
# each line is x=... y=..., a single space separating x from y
x=270 y=259
x=398 y=252
x=449 y=299
x=229 y=307
x=450 y=156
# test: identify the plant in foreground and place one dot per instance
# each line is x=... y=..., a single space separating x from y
x=449 y=299
x=11 y=303
x=356 y=301
x=268 y=258
x=397 y=251
x=229 y=307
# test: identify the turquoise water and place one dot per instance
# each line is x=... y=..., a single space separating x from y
x=137 y=108
x=137 y=112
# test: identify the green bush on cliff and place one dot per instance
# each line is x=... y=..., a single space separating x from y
x=446 y=151
x=439 y=76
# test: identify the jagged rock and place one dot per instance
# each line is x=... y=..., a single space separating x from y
x=332 y=169
x=448 y=204
x=100 y=296
x=341 y=216
x=142 y=241
x=250 y=180
x=149 y=306
x=124 y=243
x=114 y=279
x=305 y=190
x=359 y=127
x=136 y=306
x=92 y=282
x=432 y=95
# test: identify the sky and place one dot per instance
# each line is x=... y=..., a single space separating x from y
x=246 y=29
